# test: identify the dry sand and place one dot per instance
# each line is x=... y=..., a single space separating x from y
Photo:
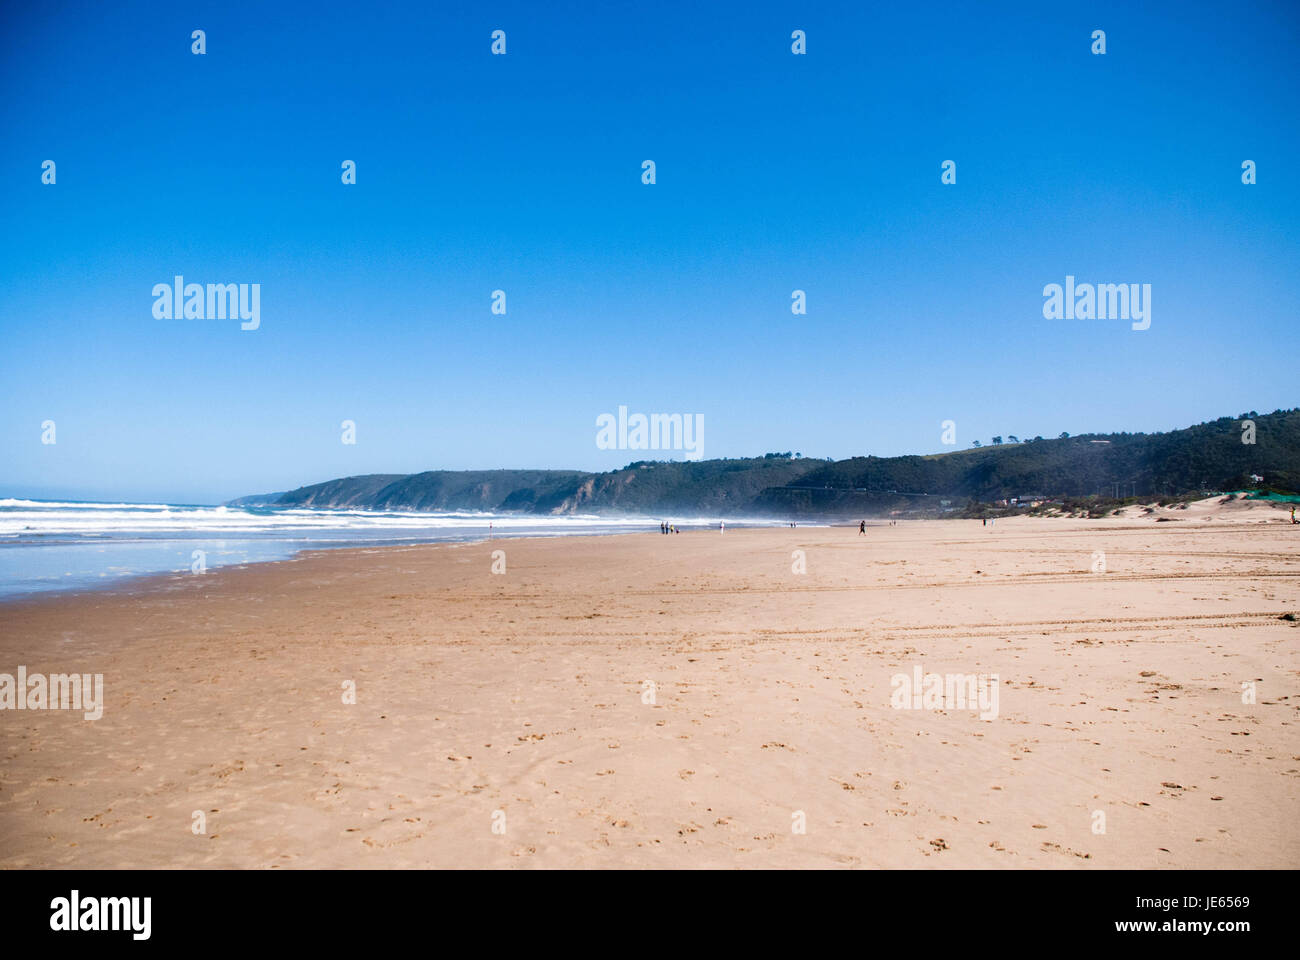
x=1120 y=692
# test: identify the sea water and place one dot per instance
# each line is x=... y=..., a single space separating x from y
x=61 y=545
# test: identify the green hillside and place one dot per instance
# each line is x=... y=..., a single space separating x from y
x=1203 y=458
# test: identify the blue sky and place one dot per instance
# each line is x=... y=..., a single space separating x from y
x=522 y=172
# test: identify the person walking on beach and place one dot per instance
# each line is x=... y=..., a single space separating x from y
x=722 y=526
x=1293 y=519
x=862 y=528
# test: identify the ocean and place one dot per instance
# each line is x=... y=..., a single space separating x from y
x=59 y=545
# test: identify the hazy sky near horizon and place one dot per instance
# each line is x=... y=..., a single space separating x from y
x=523 y=172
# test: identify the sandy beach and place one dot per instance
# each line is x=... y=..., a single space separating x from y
x=642 y=700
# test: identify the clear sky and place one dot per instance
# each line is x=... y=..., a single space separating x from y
x=522 y=172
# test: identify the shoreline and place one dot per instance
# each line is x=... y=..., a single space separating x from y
x=144 y=582
x=136 y=580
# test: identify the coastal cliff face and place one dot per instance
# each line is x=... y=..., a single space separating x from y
x=441 y=490
x=356 y=492
x=707 y=487
x=579 y=498
x=1208 y=456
